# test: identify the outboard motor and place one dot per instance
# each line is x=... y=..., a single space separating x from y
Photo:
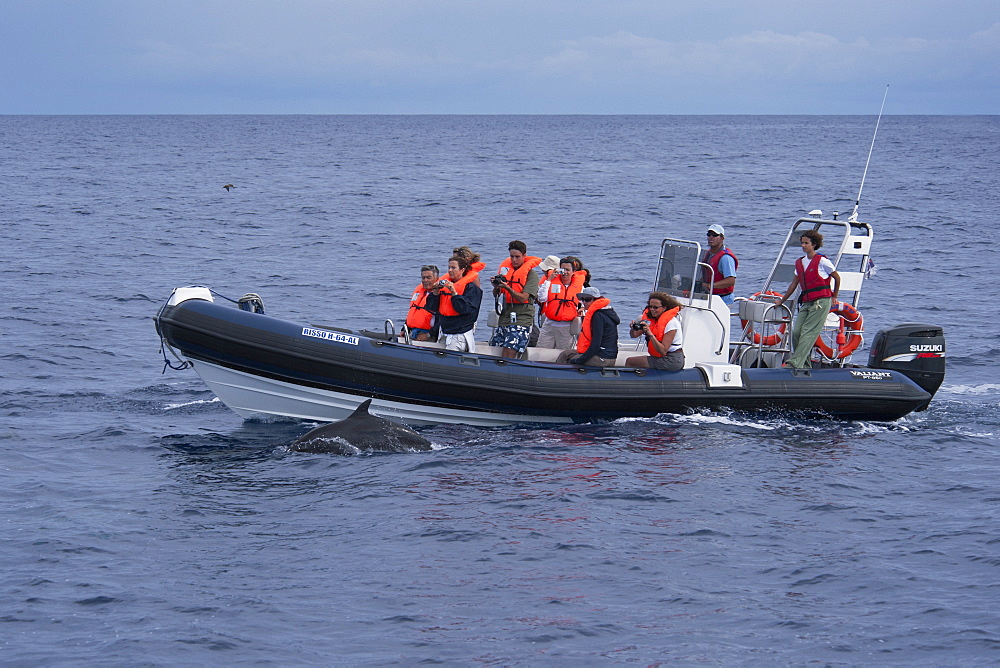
x=917 y=351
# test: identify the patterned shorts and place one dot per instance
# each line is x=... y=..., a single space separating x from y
x=514 y=337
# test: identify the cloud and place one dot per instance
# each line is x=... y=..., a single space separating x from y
x=766 y=56
x=560 y=56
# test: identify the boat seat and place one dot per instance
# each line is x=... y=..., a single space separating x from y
x=534 y=354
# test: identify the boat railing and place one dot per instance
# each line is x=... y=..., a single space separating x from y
x=848 y=245
x=390 y=331
x=723 y=338
x=766 y=331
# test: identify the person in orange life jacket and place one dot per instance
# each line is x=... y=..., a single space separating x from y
x=517 y=282
x=664 y=337
x=475 y=262
x=459 y=306
x=578 y=266
x=598 y=341
x=557 y=295
x=723 y=263
x=812 y=273
x=422 y=317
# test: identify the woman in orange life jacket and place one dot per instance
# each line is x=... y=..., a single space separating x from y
x=557 y=295
x=475 y=262
x=518 y=282
x=578 y=266
x=422 y=317
x=459 y=307
x=813 y=273
x=598 y=341
x=664 y=338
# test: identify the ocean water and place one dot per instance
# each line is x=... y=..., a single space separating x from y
x=142 y=522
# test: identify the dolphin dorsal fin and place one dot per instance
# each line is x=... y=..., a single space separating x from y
x=362 y=409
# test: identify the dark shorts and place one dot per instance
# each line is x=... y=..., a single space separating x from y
x=512 y=337
x=670 y=362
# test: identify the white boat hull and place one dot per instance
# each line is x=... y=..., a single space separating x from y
x=259 y=398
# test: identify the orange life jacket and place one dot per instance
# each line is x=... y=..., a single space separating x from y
x=445 y=307
x=477 y=267
x=518 y=278
x=656 y=327
x=583 y=341
x=562 y=305
x=420 y=317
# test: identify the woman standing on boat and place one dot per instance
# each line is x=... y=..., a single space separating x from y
x=813 y=273
x=461 y=297
x=663 y=334
x=557 y=297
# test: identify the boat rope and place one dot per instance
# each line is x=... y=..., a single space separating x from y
x=219 y=294
x=181 y=363
x=251 y=301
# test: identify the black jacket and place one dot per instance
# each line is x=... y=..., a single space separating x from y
x=467 y=306
x=603 y=336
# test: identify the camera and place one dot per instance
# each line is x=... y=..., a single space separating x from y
x=440 y=283
x=638 y=325
x=498 y=280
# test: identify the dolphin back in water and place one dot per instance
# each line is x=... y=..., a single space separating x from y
x=361 y=431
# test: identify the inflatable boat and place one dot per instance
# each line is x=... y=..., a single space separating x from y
x=264 y=367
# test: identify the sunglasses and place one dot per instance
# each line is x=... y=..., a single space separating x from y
x=651 y=306
x=585 y=299
x=714 y=234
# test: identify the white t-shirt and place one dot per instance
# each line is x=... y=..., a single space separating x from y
x=674 y=326
x=824 y=269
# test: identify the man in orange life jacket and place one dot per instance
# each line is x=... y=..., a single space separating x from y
x=723 y=264
x=813 y=273
x=598 y=341
x=422 y=320
x=557 y=295
x=517 y=282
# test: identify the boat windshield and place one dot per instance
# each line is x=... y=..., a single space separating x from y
x=678 y=270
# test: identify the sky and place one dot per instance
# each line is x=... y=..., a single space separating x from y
x=499 y=56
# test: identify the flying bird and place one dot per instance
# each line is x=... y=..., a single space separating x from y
x=228 y=187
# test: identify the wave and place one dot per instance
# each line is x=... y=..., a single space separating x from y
x=196 y=402
x=985 y=388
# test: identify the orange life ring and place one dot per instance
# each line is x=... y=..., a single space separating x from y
x=847 y=342
x=771 y=339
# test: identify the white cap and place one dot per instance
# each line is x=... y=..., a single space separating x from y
x=718 y=229
x=550 y=262
x=590 y=290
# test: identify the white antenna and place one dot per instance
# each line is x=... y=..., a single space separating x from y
x=853 y=218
